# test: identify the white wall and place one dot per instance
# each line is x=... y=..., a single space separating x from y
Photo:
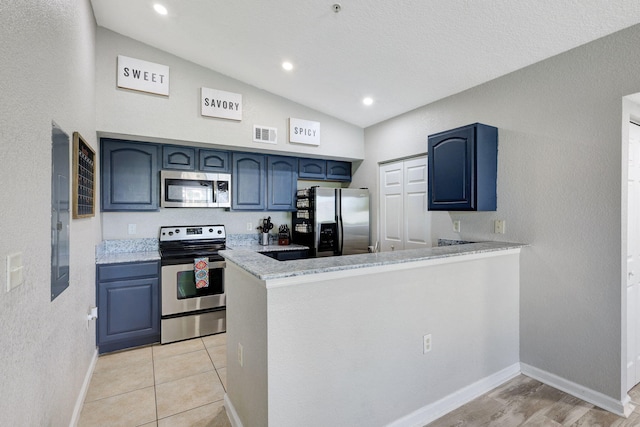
x=47 y=73
x=559 y=189
x=177 y=119
x=345 y=348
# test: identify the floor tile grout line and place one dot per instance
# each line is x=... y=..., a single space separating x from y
x=187 y=410
x=117 y=394
x=155 y=390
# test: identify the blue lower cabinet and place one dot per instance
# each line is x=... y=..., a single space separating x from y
x=128 y=300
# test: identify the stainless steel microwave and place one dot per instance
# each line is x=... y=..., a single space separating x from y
x=194 y=189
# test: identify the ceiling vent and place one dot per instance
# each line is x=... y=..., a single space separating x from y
x=265 y=134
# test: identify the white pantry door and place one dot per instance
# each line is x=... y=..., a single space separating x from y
x=404 y=219
x=633 y=259
x=417 y=224
x=391 y=212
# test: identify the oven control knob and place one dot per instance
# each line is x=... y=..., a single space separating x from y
x=171 y=233
x=211 y=230
x=219 y=231
x=177 y=230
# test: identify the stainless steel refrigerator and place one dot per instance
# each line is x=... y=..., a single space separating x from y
x=333 y=221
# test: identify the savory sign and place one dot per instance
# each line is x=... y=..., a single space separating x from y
x=218 y=103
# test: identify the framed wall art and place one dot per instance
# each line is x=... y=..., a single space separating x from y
x=84 y=183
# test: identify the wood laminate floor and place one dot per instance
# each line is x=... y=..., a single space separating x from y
x=524 y=401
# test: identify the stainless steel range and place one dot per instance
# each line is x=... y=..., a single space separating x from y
x=192 y=274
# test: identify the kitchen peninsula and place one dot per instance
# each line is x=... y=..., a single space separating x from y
x=374 y=339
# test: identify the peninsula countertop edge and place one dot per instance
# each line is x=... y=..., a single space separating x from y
x=268 y=269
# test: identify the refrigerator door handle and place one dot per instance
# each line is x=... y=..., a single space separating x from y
x=340 y=230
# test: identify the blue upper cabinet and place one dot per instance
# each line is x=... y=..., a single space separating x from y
x=181 y=158
x=262 y=182
x=249 y=181
x=463 y=169
x=282 y=182
x=324 y=170
x=213 y=161
x=338 y=171
x=312 y=168
x=129 y=175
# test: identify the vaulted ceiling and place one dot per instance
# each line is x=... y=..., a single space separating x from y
x=401 y=54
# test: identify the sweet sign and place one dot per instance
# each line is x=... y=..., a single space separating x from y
x=304 y=131
x=218 y=103
x=143 y=76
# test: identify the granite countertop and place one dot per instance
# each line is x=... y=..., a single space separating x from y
x=271 y=247
x=121 y=251
x=250 y=242
x=266 y=268
x=147 y=249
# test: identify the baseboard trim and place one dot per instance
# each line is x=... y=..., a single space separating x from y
x=618 y=407
x=435 y=410
x=83 y=391
x=234 y=419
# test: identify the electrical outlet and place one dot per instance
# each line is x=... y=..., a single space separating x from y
x=240 y=355
x=249 y=226
x=132 y=229
x=499 y=226
x=456 y=226
x=426 y=344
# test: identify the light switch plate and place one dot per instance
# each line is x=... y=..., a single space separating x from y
x=456 y=226
x=14 y=271
x=499 y=226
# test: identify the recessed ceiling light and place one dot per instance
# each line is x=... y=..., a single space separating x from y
x=160 y=9
x=287 y=65
x=367 y=101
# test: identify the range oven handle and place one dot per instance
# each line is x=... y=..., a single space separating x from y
x=218 y=264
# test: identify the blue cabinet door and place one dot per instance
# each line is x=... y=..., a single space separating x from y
x=249 y=181
x=129 y=172
x=128 y=307
x=330 y=170
x=213 y=161
x=312 y=168
x=462 y=167
x=338 y=171
x=282 y=182
x=181 y=158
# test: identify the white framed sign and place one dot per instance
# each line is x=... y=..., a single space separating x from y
x=304 y=131
x=143 y=76
x=218 y=103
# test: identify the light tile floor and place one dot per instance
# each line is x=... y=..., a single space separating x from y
x=178 y=384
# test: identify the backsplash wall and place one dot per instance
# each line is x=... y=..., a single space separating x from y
x=115 y=225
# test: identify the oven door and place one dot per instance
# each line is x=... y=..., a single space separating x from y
x=179 y=292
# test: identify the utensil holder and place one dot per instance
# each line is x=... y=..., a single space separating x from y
x=264 y=239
